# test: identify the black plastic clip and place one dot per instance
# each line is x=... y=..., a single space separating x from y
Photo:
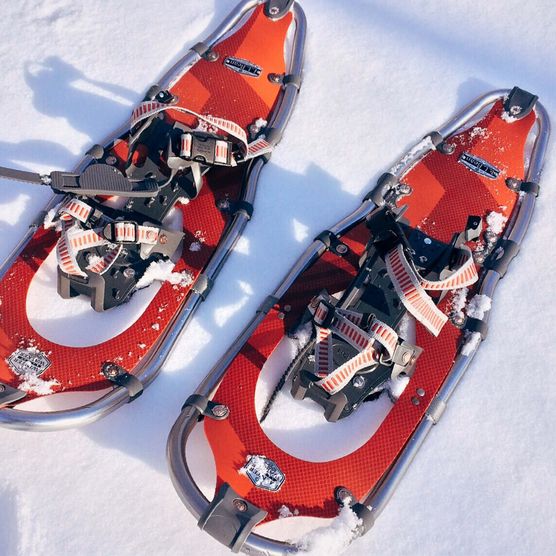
x=268 y=304
x=230 y=518
x=206 y=407
x=333 y=243
x=504 y=253
x=277 y=9
x=119 y=376
x=234 y=207
x=203 y=286
x=524 y=186
x=519 y=103
x=476 y=325
x=385 y=183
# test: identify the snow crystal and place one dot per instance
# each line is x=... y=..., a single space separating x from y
x=257 y=463
x=496 y=222
x=459 y=299
x=508 y=118
x=423 y=146
x=284 y=511
x=49 y=219
x=404 y=326
x=478 y=306
x=162 y=271
x=396 y=386
x=32 y=383
x=335 y=538
x=478 y=131
x=471 y=343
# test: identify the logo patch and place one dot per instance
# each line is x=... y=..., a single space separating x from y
x=28 y=362
x=243 y=66
x=264 y=473
x=479 y=166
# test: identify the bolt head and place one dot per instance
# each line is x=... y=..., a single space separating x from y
x=111 y=160
x=163 y=239
x=359 y=381
x=404 y=189
x=342 y=249
x=2 y=387
x=129 y=272
x=274 y=11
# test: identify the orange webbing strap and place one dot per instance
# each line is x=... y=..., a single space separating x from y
x=345 y=324
x=410 y=286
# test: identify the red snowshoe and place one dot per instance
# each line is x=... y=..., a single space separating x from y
x=322 y=402
x=136 y=236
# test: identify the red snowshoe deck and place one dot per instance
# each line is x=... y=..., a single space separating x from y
x=209 y=87
x=444 y=193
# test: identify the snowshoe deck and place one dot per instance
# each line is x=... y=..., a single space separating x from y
x=248 y=73
x=475 y=181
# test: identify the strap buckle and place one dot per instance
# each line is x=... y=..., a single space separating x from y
x=110 y=232
x=330 y=318
x=206 y=149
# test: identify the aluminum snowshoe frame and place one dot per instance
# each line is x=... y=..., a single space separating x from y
x=151 y=365
x=369 y=508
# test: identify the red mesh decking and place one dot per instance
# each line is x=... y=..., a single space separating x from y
x=444 y=194
x=208 y=88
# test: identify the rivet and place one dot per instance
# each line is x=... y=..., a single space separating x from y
x=359 y=381
x=240 y=505
x=490 y=237
x=415 y=400
x=405 y=189
x=428 y=241
x=458 y=320
x=163 y=239
x=420 y=392
x=281 y=316
x=2 y=388
x=129 y=272
x=274 y=77
x=111 y=160
x=446 y=148
x=274 y=10
x=212 y=56
x=343 y=495
x=287 y=308
x=220 y=411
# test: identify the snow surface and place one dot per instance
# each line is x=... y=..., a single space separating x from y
x=484 y=482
